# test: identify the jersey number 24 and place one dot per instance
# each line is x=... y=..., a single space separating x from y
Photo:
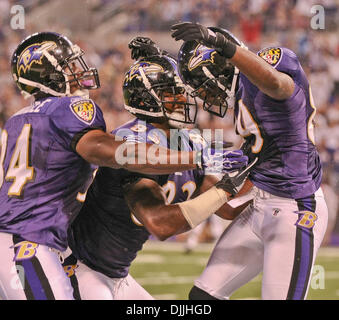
x=19 y=171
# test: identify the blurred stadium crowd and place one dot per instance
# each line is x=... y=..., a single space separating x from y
x=258 y=23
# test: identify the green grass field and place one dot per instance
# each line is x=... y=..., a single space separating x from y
x=167 y=273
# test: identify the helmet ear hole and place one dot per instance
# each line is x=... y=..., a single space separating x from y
x=141 y=97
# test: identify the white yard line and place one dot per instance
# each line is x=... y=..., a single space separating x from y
x=175 y=246
x=331 y=275
x=157 y=258
x=150 y=258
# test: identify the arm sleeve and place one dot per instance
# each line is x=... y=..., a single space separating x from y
x=286 y=61
x=283 y=60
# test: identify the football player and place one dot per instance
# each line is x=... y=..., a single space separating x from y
x=280 y=233
x=48 y=154
x=122 y=209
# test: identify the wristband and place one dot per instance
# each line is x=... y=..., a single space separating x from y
x=200 y=208
x=224 y=46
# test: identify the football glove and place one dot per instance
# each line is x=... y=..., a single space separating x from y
x=143 y=47
x=193 y=31
x=220 y=161
x=232 y=182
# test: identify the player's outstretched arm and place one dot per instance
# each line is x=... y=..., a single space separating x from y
x=275 y=84
x=270 y=81
x=147 y=202
x=106 y=150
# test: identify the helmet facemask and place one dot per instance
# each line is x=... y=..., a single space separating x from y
x=75 y=69
x=179 y=108
x=217 y=93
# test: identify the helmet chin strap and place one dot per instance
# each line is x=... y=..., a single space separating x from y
x=230 y=93
x=41 y=87
x=231 y=98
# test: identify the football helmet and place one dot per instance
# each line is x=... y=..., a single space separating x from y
x=154 y=92
x=49 y=63
x=209 y=75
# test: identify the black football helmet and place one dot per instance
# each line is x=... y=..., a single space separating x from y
x=146 y=88
x=49 y=63
x=210 y=76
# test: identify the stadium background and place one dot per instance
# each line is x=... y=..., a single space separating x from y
x=103 y=29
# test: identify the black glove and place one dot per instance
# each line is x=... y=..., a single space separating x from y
x=143 y=47
x=233 y=183
x=193 y=31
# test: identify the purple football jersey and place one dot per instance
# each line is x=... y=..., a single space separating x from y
x=280 y=133
x=42 y=176
x=184 y=182
x=105 y=235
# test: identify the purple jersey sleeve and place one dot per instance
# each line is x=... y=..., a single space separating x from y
x=286 y=61
x=280 y=132
x=75 y=115
x=283 y=60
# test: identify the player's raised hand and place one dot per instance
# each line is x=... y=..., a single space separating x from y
x=142 y=47
x=220 y=161
x=194 y=31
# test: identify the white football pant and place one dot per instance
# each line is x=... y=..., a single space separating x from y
x=277 y=236
x=31 y=271
x=93 y=285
